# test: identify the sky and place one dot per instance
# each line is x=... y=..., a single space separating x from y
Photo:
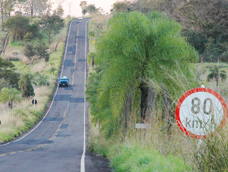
x=71 y=7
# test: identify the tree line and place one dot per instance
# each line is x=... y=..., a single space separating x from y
x=204 y=23
x=34 y=34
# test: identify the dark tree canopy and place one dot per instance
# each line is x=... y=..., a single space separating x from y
x=19 y=26
x=205 y=24
x=7 y=72
x=25 y=84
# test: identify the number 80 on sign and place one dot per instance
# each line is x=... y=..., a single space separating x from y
x=201 y=111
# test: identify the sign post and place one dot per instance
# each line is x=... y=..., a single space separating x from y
x=200 y=112
x=34 y=101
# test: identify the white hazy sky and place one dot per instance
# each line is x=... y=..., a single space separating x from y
x=72 y=6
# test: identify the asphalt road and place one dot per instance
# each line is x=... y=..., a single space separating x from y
x=58 y=142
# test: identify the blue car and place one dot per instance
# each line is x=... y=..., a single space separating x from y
x=63 y=81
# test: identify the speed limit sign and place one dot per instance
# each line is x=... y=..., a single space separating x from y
x=201 y=111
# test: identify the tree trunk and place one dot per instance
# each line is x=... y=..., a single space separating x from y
x=2 y=15
x=167 y=110
x=10 y=104
x=93 y=62
x=56 y=45
x=49 y=38
x=151 y=104
x=32 y=8
x=144 y=100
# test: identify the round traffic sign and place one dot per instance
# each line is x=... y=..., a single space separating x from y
x=201 y=111
x=34 y=101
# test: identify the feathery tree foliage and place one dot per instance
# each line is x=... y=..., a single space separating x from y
x=42 y=79
x=135 y=49
x=25 y=84
x=10 y=95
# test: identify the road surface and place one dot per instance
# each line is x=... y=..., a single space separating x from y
x=58 y=142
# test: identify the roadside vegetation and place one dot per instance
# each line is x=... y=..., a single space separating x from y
x=29 y=68
x=140 y=65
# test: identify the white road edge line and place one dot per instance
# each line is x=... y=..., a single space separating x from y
x=52 y=99
x=84 y=144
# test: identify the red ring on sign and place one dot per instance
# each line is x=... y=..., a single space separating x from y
x=177 y=112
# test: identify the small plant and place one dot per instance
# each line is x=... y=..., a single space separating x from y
x=216 y=73
x=10 y=95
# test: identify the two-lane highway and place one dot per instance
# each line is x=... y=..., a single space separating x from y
x=57 y=142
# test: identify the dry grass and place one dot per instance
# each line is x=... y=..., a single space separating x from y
x=38 y=66
x=15 y=54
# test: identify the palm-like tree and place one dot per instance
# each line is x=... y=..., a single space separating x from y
x=42 y=80
x=216 y=73
x=52 y=70
x=136 y=48
x=10 y=95
x=25 y=84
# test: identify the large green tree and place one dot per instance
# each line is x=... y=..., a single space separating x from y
x=19 y=26
x=135 y=49
x=51 y=24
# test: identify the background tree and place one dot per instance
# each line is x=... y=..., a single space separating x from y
x=25 y=84
x=51 y=24
x=33 y=7
x=6 y=9
x=29 y=52
x=19 y=26
x=84 y=11
x=91 y=8
x=10 y=95
x=123 y=6
x=216 y=73
x=8 y=73
x=41 y=51
x=59 y=11
x=83 y=4
x=207 y=19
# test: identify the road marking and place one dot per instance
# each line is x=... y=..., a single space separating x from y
x=84 y=142
x=75 y=57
